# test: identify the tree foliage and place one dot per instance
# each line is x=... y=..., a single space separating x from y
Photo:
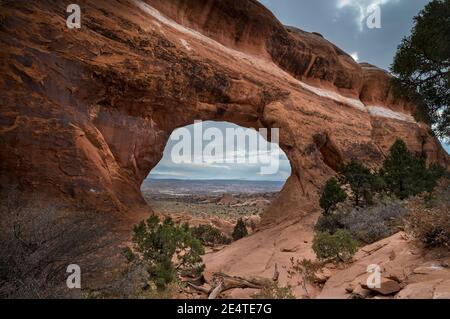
x=338 y=246
x=403 y=175
x=406 y=174
x=362 y=182
x=240 y=231
x=422 y=65
x=210 y=235
x=331 y=196
x=167 y=249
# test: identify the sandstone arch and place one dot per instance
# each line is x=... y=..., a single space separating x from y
x=106 y=108
x=86 y=113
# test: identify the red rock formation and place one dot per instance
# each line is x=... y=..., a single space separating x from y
x=421 y=275
x=85 y=114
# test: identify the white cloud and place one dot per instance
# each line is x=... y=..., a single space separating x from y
x=361 y=7
x=248 y=160
x=355 y=56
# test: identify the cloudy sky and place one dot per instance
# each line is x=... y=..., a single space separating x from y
x=198 y=164
x=343 y=22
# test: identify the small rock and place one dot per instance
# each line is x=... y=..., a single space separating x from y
x=427 y=269
x=420 y=290
x=349 y=289
x=323 y=276
x=362 y=292
x=442 y=290
x=387 y=287
x=403 y=285
x=330 y=266
x=289 y=249
x=392 y=255
x=394 y=277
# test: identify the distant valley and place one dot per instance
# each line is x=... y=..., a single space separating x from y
x=180 y=188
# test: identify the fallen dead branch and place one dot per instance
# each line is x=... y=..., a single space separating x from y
x=199 y=288
x=216 y=291
x=223 y=282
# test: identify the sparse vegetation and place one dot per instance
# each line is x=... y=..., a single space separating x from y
x=306 y=270
x=210 y=235
x=368 y=224
x=240 y=230
x=373 y=215
x=330 y=223
x=128 y=254
x=339 y=246
x=429 y=219
x=275 y=292
x=376 y=222
x=407 y=175
x=168 y=250
x=39 y=237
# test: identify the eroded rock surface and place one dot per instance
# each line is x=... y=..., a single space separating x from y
x=408 y=271
x=86 y=113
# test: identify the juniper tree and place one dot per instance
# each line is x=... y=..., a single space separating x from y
x=422 y=65
x=406 y=174
x=331 y=196
x=240 y=231
x=362 y=182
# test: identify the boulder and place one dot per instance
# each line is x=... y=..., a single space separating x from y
x=398 y=274
x=360 y=292
x=442 y=290
x=387 y=287
x=419 y=290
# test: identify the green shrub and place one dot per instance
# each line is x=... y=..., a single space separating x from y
x=362 y=182
x=128 y=254
x=331 y=196
x=407 y=175
x=240 y=231
x=435 y=172
x=330 y=223
x=402 y=175
x=210 y=235
x=159 y=244
x=338 y=246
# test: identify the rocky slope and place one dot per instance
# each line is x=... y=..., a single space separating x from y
x=86 y=113
x=407 y=270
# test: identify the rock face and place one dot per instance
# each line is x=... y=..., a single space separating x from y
x=407 y=270
x=86 y=113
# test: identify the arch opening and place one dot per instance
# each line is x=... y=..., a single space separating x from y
x=215 y=173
